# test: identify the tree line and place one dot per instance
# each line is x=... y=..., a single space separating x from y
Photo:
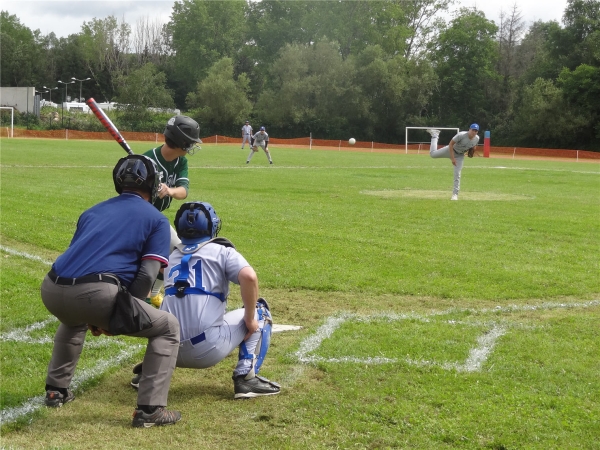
x=334 y=69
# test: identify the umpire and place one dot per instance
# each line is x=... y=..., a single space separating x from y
x=119 y=245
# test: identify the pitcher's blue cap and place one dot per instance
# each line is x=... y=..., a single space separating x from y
x=474 y=126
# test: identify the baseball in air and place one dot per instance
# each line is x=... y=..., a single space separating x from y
x=352 y=141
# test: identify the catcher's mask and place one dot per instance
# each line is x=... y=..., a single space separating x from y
x=137 y=172
x=184 y=132
x=196 y=222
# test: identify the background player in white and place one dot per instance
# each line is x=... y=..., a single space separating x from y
x=246 y=134
x=260 y=139
x=459 y=145
x=196 y=289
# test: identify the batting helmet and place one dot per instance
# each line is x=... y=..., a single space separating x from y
x=184 y=132
x=137 y=172
x=196 y=222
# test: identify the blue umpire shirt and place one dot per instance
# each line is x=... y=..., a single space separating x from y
x=114 y=237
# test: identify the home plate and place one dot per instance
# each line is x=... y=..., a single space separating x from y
x=278 y=328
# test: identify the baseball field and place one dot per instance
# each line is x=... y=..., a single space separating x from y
x=427 y=323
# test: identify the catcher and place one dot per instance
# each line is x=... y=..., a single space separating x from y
x=260 y=139
x=196 y=289
x=463 y=142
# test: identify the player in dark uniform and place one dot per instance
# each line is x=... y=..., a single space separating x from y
x=119 y=243
x=182 y=136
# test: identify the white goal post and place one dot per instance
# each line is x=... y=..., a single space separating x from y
x=422 y=128
x=12 y=118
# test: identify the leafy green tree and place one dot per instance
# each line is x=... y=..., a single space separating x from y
x=220 y=102
x=139 y=92
x=532 y=57
x=464 y=57
x=310 y=90
x=202 y=33
x=545 y=118
x=422 y=20
x=21 y=56
x=144 y=87
x=396 y=92
x=104 y=45
x=581 y=91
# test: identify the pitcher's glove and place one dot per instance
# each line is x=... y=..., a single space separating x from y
x=471 y=152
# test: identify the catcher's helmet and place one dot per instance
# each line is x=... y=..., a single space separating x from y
x=196 y=222
x=184 y=132
x=136 y=172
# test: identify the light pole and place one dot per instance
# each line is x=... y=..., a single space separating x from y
x=42 y=92
x=50 y=90
x=80 y=83
x=63 y=105
x=65 y=83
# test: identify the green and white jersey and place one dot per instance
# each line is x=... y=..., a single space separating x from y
x=172 y=173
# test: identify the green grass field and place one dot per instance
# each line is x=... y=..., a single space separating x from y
x=426 y=323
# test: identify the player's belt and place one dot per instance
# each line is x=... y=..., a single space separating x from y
x=197 y=339
x=96 y=278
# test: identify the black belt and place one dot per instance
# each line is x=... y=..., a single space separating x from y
x=197 y=339
x=96 y=278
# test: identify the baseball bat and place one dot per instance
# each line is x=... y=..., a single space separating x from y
x=110 y=127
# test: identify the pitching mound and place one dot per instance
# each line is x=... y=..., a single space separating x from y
x=445 y=195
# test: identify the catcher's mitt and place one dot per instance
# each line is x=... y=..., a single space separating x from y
x=471 y=152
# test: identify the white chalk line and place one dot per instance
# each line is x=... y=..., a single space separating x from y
x=31 y=405
x=477 y=357
x=243 y=166
x=24 y=255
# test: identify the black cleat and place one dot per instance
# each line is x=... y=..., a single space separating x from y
x=55 y=399
x=137 y=371
x=159 y=417
x=254 y=387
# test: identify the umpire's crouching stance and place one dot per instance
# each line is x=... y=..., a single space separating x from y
x=118 y=248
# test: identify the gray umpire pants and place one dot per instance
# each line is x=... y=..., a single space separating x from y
x=444 y=152
x=92 y=303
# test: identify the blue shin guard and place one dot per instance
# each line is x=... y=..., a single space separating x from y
x=258 y=353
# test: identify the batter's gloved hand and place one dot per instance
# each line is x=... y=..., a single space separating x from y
x=97 y=331
x=471 y=152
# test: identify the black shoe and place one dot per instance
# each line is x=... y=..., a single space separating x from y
x=159 y=417
x=270 y=162
x=254 y=387
x=137 y=371
x=247 y=162
x=55 y=399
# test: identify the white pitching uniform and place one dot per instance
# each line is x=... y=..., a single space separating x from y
x=246 y=135
x=260 y=139
x=208 y=332
x=462 y=144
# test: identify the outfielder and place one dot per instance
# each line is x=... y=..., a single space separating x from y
x=120 y=243
x=463 y=142
x=247 y=134
x=260 y=139
x=182 y=134
x=197 y=286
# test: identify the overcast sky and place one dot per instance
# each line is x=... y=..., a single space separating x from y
x=66 y=17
